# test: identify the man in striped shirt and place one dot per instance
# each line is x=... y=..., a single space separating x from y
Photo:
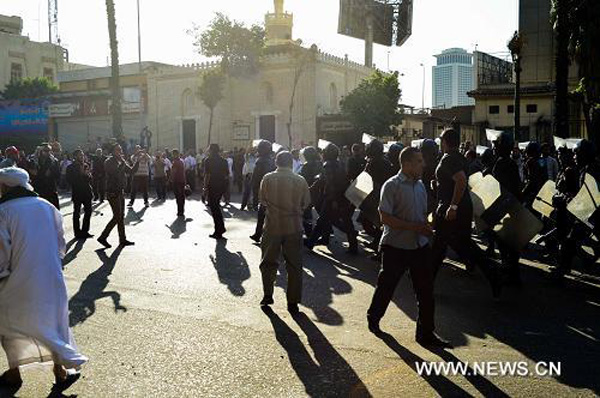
x=285 y=195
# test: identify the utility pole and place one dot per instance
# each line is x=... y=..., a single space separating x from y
x=423 y=91
x=139 y=36
x=515 y=45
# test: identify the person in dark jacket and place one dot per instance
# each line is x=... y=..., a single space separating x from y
x=80 y=178
x=393 y=156
x=380 y=170
x=216 y=182
x=178 y=181
x=116 y=169
x=47 y=175
x=356 y=162
x=310 y=170
x=535 y=172
x=506 y=172
x=98 y=176
x=264 y=165
x=333 y=208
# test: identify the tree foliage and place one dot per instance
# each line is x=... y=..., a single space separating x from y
x=580 y=23
x=372 y=107
x=237 y=46
x=211 y=93
x=29 y=88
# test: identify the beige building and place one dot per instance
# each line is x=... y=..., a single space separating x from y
x=21 y=57
x=495 y=98
x=256 y=106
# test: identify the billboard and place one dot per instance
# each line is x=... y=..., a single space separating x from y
x=24 y=117
x=352 y=20
x=405 y=20
x=491 y=70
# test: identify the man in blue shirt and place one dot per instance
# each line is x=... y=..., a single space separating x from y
x=405 y=244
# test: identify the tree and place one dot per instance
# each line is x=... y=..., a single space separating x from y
x=239 y=47
x=372 y=107
x=29 y=88
x=560 y=19
x=117 y=123
x=580 y=24
x=302 y=58
x=211 y=93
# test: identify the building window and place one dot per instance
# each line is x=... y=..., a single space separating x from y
x=510 y=109
x=49 y=74
x=532 y=108
x=333 y=98
x=494 y=109
x=16 y=72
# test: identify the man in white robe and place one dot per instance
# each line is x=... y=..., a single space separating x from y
x=34 y=316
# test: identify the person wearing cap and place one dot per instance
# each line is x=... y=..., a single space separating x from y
x=285 y=195
x=34 y=313
x=12 y=157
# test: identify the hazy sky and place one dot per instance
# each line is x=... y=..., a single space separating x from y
x=438 y=24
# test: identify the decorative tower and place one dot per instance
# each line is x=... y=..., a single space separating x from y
x=279 y=26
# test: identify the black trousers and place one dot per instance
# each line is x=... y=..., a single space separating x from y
x=139 y=184
x=117 y=204
x=214 y=199
x=161 y=188
x=99 y=186
x=260 y=220
x=179 y=191
x=395 y=262
x=457 y=235
x=190 y=176
x=247 y=190
x=87 y=214
x=341 y=218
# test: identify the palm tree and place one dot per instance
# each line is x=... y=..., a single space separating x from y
x=211 y=93
x=117 y=125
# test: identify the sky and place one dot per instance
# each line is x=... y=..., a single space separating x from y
x=437 y=25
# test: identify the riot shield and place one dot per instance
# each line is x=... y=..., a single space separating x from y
x=359 y=189
x=277 y=147
x=492 y=208
x=367 y=139
x=585 y=203
x=543 y=201
x=323 y=144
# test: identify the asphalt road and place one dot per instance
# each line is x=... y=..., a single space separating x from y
x=177 y=315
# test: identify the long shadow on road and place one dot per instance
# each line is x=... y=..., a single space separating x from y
x=542 y=321
x=328 y=375
x=83 y=304
x=232 y=268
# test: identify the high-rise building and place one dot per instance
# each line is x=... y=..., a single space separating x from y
x=452 y=79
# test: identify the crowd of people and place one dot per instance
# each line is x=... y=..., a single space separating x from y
x=417 y=207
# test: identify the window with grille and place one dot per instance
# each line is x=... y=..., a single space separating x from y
x=16 y=72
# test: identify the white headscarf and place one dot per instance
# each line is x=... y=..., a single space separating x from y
x=15 y=177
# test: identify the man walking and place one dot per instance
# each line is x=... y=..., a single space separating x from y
x=454 y=213
x=47 y=175
x=79 y=178
x=264 y=164
x=178 y=181
x=405 y=245
x=285 y=195
x=34 y=313
x=116 y=169
x=216 y=180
